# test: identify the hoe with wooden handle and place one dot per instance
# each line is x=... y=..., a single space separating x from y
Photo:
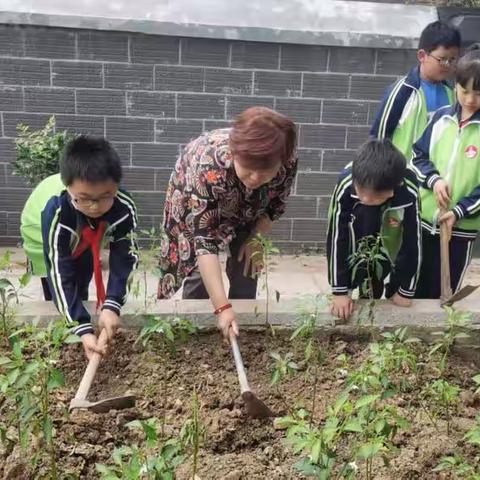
x=255 y=407
x=102 y=406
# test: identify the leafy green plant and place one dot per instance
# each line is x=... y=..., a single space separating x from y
x=307 y=320
x=360 y=425
x=455 y=322
x=458 y=466
x=318 y=445
x=368 y=425
x=38 y=152
x=9 y=295
x=473 y=435
x=167 y=332
x=28 y=378
x=152 y=459
x=375 y=425
x=366 y=261
x=263 y=255
x=441 y=399
x=283 y=367
x=148 y=258
x=193 y=433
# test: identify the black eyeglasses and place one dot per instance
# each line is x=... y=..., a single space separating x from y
x=445 y=62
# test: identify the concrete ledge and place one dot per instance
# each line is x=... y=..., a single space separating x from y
x=426 y=313
x=319 y=22
x=425 y=319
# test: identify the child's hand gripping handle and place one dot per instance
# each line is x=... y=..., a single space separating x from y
x=91 y=369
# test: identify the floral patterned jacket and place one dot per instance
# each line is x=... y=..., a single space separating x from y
x=206 y=203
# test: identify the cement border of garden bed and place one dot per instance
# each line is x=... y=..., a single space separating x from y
x=425 y=319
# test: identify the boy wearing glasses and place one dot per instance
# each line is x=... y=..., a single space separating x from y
x=63 y=225
x=409 y=103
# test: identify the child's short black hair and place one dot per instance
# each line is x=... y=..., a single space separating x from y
x=468 y=67
x=378 y=165
x=439 y=34
x=90 y=159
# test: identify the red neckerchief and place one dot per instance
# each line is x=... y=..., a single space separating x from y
x=92 y=238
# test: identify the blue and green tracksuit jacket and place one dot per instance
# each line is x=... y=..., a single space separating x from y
x=399 y=227
x=450 y=151
x=403 y=116
x=58 y=227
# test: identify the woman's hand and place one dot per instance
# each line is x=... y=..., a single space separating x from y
x=251 y=254
x=227 y=321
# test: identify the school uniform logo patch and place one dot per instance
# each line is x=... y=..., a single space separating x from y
x=471 y=151
x=393 y=222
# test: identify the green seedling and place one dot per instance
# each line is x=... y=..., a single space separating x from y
x=441 y=399
x=457 y=464
x=264 y=250
x=283 y=367
x=360 y=425
x=308 y=320
x=459 y=467
x=367 y=260
x=455 y=322
x=148 y=258
x=375 y=426
x=9 y=294
x=167 y=332
x=193 y=434
x=473 y=435
x=28 y=379
x=38 y=152
x=317 y=445
x=152 y=459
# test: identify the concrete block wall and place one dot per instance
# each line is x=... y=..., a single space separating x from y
x=150 y=94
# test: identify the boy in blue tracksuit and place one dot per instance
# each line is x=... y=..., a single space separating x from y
x=447 y=163
x=375 y=195
x=409 y=103
x=64 y=224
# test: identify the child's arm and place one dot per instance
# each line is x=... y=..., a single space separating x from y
x=61 y=271
x=407 y=263
x=427 y=173
x=338 y=247
x=122 y=260
x=390 y=111
x=425 y=170
x=469 y=205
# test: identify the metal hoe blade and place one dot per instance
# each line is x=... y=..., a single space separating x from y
x=105 y=405
x=255 y=407
x=460 y=295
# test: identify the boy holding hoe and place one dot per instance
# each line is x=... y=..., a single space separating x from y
x=64 y=223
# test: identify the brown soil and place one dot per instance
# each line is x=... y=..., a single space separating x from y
x=236 y=447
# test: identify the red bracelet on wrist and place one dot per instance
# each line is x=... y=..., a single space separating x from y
x=219 y=310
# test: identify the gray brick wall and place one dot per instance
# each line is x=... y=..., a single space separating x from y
x=151 y=94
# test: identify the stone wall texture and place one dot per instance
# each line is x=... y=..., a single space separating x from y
x=151 y=94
